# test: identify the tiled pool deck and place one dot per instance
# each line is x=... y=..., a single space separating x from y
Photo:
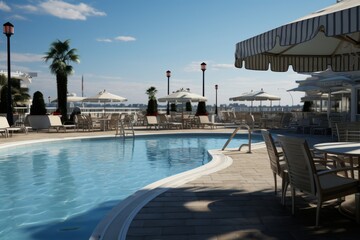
x=235 y=203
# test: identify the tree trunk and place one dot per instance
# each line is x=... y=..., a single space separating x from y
x=61 y=81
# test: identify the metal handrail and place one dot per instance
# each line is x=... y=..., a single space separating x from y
x=233 y=135
x=124 y=128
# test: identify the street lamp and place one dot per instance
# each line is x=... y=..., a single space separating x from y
x=203 y=68
x=168 y=75
x=8 y=30
x=216 y=89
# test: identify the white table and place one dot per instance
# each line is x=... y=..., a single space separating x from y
x=350 y=149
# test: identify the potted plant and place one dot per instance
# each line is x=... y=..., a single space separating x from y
x=188 y=107
x=173 y=107
x=152 y=103
x=38 y=118
x=201 y=110
x=38 y=104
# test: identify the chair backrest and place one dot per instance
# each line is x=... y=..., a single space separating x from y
x=4 y=122
x=272 y=151
x=151 y=120
x=162 y=118
x=300 y=163
x=55 y=120
x=203 y=119
x=348 y=131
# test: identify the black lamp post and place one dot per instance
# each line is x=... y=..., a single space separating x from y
x=216 y=89
x=8 y=31
x=168 y=75
x=203 y=68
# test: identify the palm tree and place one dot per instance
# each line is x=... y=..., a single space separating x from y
x=61 y=56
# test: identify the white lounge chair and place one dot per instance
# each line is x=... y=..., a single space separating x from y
x=152 y=121
x=204 y=121
x=5 y=128
x=165 y=123
x=55 y=122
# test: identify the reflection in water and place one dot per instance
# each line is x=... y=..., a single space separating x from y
x=175 y=152
x=39 y=168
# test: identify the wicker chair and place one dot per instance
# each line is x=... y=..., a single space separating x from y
x=324 y=185
x=277 y=163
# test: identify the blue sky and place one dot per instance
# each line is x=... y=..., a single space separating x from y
x=126 y=46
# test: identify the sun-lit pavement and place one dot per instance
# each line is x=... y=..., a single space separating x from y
x=235 y=203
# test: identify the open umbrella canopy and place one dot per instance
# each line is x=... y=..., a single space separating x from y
x=315 y=97
x=105 y=96
x=306 y=88
x=183 y=95
x=328 y=37
x=71 y=97
x=255 y=96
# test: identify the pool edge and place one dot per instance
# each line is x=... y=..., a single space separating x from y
x=116 y=224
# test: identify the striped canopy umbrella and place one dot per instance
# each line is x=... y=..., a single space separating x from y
x=328 y=37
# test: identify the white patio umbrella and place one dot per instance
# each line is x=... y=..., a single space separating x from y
x=104 y=97
x=328 y=37
x=183 y=95
x=256 y=96
x=71 y=97
x=306 y=88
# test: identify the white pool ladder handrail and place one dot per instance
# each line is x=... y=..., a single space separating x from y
x=125 y=127
x=241 y=126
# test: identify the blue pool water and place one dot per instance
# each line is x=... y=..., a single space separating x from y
x=62 y=189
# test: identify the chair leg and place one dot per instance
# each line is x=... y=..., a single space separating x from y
x=275 y=182
x=318 y=208
x=285 y=185
x=357 y=207
x=292 y=200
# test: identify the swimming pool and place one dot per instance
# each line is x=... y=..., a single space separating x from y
x=62 y=189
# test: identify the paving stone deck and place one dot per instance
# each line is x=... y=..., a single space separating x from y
x=236 y=203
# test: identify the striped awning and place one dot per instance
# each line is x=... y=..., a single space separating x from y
x=327 y=38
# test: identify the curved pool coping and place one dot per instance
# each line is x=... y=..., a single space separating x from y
x=117 y=222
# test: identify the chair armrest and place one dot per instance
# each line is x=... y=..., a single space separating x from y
x=336 y=170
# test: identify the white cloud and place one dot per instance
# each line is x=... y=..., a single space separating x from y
x=22 y=57
x=222 y=66
x=103 y=40
x=195 y=66
x=125 y=38
x=64 y=10
x=4 y=7
x=29 y=8
x=18 y=17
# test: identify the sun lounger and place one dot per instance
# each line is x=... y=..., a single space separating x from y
x=5 y=128
x=165 y=123
x=204 y=121
x=38 y=122
x=55 y=122
x=152 y=121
